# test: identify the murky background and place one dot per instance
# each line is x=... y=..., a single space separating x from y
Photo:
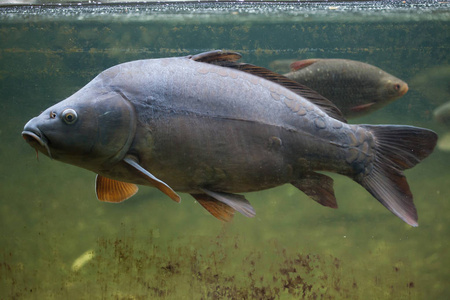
x=58 y=241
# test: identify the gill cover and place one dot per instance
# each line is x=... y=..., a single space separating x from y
x=116 y=127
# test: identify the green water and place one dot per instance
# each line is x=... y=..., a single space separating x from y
x=151 y=247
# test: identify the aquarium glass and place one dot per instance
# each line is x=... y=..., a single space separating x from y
x=59 y=242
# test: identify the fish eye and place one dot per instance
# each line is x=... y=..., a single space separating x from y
x=397 y=87
x=69 y=116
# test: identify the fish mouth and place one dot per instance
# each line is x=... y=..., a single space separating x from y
x=403 y=89
x=37 y=140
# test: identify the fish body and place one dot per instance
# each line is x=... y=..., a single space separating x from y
x=211 y=127
x=356 y=88
x=281 y=65
x=434 y=84
x=442 y=115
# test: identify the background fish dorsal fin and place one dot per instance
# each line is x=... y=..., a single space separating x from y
x=229 y=59
x=300 y=64
x=216 y=56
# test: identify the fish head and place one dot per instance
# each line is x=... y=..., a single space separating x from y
x=93 y=128
x=393 y=88
x=382 y=89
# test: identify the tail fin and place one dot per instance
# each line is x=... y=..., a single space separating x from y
x=397 y=148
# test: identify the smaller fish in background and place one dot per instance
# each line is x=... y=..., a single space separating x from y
x=442 y=116
x=433 y=84
x=356 y=88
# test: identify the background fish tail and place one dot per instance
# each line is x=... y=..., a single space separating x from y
x=397 y=148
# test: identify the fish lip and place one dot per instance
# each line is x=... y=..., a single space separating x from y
x=31 y=136
x=403 y=90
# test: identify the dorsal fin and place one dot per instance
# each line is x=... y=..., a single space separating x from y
x=326 y=105
x=229 y=59
x=216 y=57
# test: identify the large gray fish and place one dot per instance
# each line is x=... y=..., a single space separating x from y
x=356 y=88
x=212 y=127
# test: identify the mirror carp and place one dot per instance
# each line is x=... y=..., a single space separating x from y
x=213 y=127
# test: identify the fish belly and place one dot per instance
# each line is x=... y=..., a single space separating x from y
x=219 y=154
x=229 y=155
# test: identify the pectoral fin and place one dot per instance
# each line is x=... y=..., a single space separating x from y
x=161 y=185
x=110 y=190
x=318 y=187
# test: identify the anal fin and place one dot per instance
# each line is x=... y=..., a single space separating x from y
x=318 y=187
x=110 y=190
